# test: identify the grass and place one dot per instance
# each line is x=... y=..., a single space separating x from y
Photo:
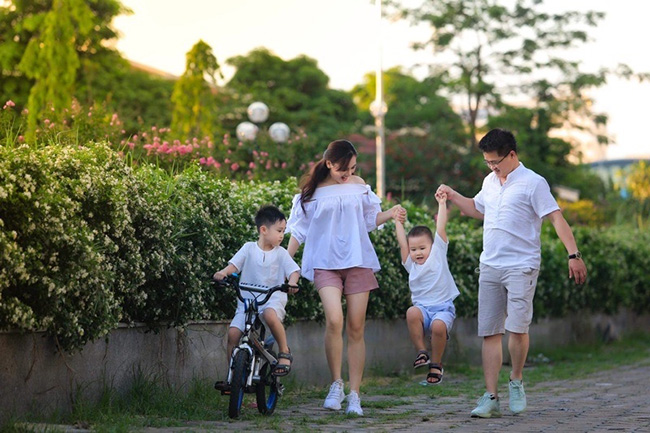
x=149 y=403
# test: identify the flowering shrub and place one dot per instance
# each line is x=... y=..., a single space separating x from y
x=61 y=211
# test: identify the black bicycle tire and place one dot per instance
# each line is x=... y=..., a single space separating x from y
x=266 y=404
x=240 y=367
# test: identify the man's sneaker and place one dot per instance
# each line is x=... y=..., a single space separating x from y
x=335 y=396
x=354 y=404
x=517 y=396
x=487 y=407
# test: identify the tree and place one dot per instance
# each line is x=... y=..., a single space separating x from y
x=34 y=52
x=52 y=61
x=497 y=49
x=193 y=97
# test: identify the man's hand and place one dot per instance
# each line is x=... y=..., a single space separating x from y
x=577 y=270
x=447 y=190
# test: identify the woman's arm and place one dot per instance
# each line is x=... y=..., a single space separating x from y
x=397 y=212
x=293 y=246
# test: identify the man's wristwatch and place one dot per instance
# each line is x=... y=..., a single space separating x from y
x=576 y=255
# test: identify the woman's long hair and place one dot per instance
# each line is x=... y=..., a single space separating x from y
x=339 y=153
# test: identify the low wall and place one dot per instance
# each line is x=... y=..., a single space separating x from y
x=35 y=377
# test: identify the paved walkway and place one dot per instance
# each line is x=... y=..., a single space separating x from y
x=614 y=400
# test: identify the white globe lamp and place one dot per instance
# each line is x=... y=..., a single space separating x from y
x=246 y=131
x=258 y=112
x=279 y=132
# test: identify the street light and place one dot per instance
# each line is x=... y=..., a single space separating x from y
x=258 y=112
x=378 y=109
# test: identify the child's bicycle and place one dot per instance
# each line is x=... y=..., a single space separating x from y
x=253 y=359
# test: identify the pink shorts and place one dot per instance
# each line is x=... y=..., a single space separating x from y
x=350 y=280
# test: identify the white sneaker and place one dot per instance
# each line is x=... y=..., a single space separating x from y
x=354 y=404
x=335 y=396
x=517 y=396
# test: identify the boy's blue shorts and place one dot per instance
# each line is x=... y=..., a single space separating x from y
x=445 y=312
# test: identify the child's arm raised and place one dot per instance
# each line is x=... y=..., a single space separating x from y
x=441 y=222
x=400 y=234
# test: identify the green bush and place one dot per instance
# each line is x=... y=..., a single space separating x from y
x=88 y=240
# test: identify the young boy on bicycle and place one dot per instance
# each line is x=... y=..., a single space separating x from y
x=433 y=290
x=265 y=263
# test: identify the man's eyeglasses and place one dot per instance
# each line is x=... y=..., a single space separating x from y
x=495 y=163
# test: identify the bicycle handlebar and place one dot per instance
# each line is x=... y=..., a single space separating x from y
x=234 y=283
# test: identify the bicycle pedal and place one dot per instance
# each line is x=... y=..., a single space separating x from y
x=280 y=389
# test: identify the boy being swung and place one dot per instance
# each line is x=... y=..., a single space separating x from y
x=265 y=263
x=432 y=290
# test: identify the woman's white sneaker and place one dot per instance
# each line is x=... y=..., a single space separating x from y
x=335 y=396
x=354 y=404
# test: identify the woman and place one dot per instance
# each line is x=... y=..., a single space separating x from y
x=332 y=216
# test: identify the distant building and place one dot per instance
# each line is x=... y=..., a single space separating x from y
x=152 y=71
x=613 y=171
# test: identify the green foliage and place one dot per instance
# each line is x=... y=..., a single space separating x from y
x=51 y=59
x=192 y=96
x=139 y=98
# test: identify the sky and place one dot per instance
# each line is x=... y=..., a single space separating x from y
x=344 y=37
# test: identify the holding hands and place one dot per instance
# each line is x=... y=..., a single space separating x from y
x=398 y=213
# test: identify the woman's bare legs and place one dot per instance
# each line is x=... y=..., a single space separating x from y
x=355 y=327
x=331 y=299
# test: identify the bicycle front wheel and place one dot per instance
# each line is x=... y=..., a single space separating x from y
x=266 y=390
x=240 y=367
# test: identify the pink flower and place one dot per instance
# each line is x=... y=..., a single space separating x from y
x=251 y=165
x=234 y=166
x=9 y=104
x=21 y=139
x=284 y=165
x=227 y=161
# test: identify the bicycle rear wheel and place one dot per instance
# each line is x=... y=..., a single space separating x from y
x=240 y=367
x=267 y=390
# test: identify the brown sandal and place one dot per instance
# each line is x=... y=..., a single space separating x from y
x=422 y=359
x=283 y=369
x=436 y=376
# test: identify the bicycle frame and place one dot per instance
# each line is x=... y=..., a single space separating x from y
x=252 y=339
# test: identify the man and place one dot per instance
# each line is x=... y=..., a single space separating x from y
x=512 y=201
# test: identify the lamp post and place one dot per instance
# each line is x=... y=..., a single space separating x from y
x=378 y=109
x=258 y=112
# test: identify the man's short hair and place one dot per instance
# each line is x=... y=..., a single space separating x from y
x=267 y=216
x=420 y=231
x=500 y=140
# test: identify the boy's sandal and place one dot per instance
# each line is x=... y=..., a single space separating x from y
x=282 y=369
x=222 y=386
x=437 y=377
x=422 y=359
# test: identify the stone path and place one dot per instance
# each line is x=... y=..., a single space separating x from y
x=610 y=401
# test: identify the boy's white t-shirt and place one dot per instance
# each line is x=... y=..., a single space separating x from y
x=431 y=283
x=263 y=268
